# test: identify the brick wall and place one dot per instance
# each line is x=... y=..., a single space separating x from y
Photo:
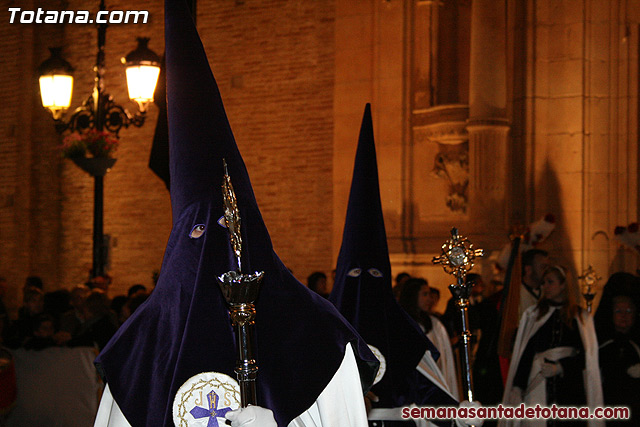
x=273 y=61
x=15 y=153
x=274 y=64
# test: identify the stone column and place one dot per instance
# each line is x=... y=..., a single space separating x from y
x=487 y=125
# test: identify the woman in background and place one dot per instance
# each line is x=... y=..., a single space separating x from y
x=415 y=298
x=555 y=358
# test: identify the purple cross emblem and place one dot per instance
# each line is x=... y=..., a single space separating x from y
x=213 y=412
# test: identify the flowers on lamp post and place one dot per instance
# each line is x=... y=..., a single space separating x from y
x=93 y=143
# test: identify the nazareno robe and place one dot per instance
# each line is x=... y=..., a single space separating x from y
x=362 y=292
x=183 y=328
x=617 y=355
x=536 y=390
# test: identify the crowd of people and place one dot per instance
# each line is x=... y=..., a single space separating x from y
x=81 y=316
x=560 y=354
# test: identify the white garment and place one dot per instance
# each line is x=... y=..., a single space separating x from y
x=440 y=338
x=427 y=367
x=526 y=330
x=341 y=403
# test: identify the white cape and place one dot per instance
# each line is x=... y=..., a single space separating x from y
x=593 y=386
x=340 y=403
x=427 y=367
x=440 y=338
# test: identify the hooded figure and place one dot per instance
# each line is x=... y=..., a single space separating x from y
x=183 y=329
x=363 y=294
x=619 y=283
x=618 y=328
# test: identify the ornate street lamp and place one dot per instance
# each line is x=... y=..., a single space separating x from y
x=98 y=112
x=56 y=83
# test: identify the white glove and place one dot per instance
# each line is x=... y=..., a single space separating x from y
x=634 y=371
x=251 y=416
x=551 y=369
x=465 y=422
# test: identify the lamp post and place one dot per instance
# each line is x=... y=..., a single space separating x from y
x=98 y=112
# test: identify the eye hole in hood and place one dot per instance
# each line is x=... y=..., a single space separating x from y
x=375 y=272
x=197 y=231
x=354 y=272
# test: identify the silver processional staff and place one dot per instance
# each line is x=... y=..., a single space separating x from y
x=240 y=291
x=457 y=259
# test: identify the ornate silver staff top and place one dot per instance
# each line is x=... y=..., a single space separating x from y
x=240 y=291
x=457 y=256
x=457 y=259
x=589 y=280
x=237 y=288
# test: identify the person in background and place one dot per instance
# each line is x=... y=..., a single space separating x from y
x=493 y=287
x=400 y=280
x=620 y=360
x=135 y=289
x=364 y=295
x=555 y=358
x=619 y=283
x=416 y=301
x=43 y=332
x=56 y=303
x=317 y=282
x=72 y=320
x=22 y=329
x=534 y=263
x=117 y=306
x=100 y=282
x=133 y=303
x=434 y=294
x=30 y=282
x=121 y=304
x=99 y=322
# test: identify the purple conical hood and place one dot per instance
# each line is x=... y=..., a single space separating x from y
x=183 y=328
x=362 y=290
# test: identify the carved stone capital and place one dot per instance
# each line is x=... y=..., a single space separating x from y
x=444 y=124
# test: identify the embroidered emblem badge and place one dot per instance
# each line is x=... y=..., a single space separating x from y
x=383 y=364
x=204 y=399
